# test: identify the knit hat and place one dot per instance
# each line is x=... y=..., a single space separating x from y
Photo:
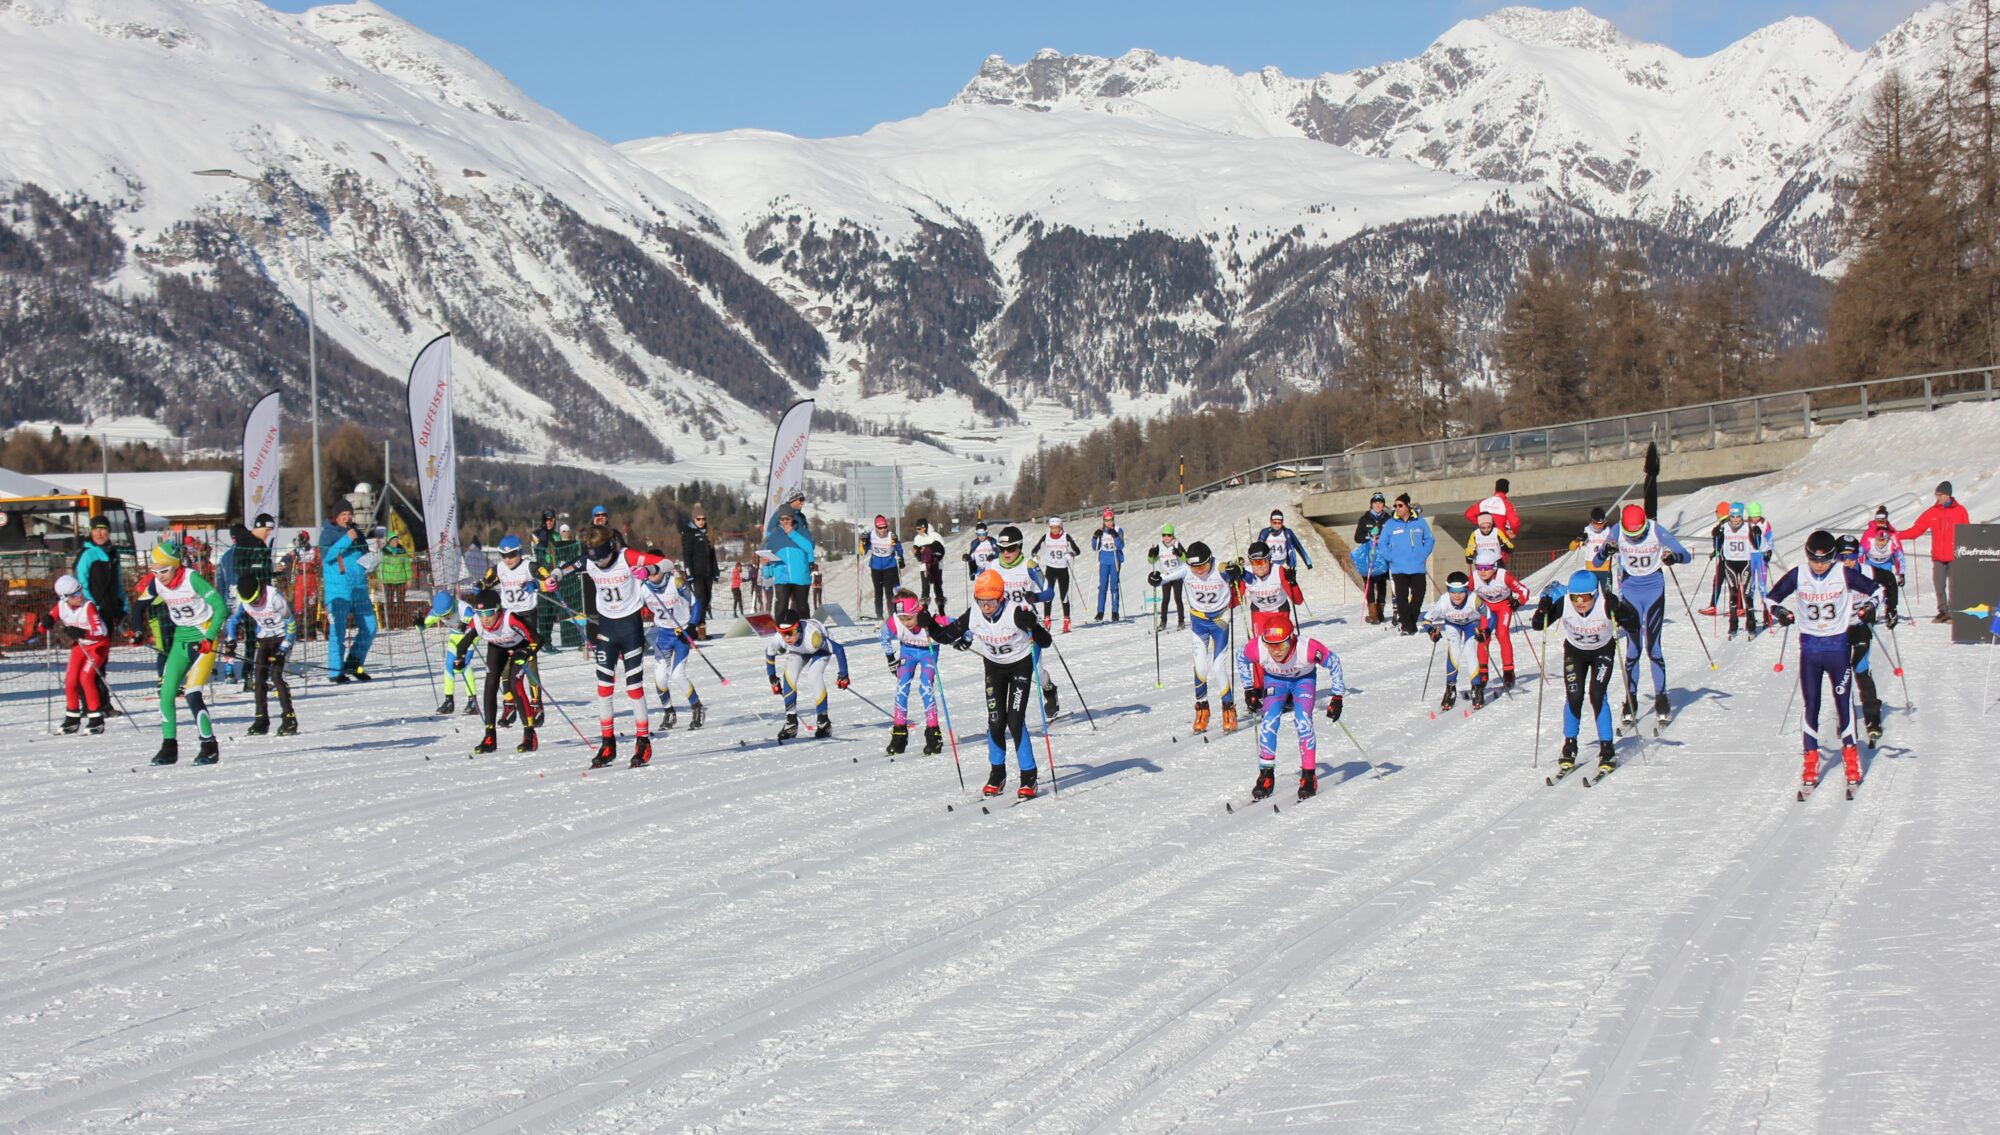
x=1944 y=487
x=167 y=553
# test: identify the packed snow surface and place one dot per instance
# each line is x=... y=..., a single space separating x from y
x=361 y=930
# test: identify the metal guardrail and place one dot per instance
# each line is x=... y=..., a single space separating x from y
x=1752 y=420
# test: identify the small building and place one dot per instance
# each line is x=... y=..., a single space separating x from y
x=177 y=498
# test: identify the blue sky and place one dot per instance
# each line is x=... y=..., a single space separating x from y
x=633 y=68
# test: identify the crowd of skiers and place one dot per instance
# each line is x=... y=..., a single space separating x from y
x=633 y=604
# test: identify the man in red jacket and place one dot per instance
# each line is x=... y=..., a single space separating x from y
x=1941 y=520
x=1499 y=506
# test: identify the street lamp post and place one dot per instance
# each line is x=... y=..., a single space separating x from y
x=312 y=353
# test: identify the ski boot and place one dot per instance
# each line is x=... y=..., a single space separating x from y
x=72 y=722
x=899 y=740
x=259 y=726
x=1450 y=697
x=1809 y=776
x=1663 y=710
x=359 y=675
x=1049 y=707
x=695 y=717
x=668 y=717
x=1708 y=610
x=1065 y=624
x=170 y=752
x=1871 y=720
x=1733 y=629
x=642 y=752
x=1507 y=679
x=487 y=743
x=1027 y=789
x=1266 y=782
x=933 y=740
x=1605 y=764
x=822 y=727
x=208 y=752
x=1567 y=763
x=95 y=725
x=471 y=706
x=447 y=706
x=607 y=751
x=1229 y=717
x=791 y=727
x=288 y=726
x=1479 y=695
x=1201 y=717
x=529 y=742
x=1308 y=783
x=1851 y=757
x=996 y=781
x=1629 y=716
x=507 y=714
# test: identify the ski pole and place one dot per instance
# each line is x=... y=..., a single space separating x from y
x=1087 y=716
x=1784 y=639
x=937 y=680
x=1424 y=698
x=557 y=706
x=1357 y=744
x=1689 y=608
x=870 y=704
x=424 y=648
x=1897 y=658
x=1048 y=746
x=1788 y=704
x=1541 y=697
x=49 y=682
x=1159 y=617
x=692 y=645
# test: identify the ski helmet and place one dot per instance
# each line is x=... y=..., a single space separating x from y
x=1278 y=630
x=67 y=586
x=1847 y=546
x=1722 y=509
x=1755 y=511
x=1260 y=551
x=1632 y=518
x=1010 y=537
x=248 y=587
x=1582 y=581
x=989 y=585
x=486 y=599
x=1457 y=581
x=1820 y=545
x=511 y=545
x=1198 y=554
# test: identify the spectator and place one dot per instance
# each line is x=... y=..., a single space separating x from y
x=795 y=506
x=398 y=567
x=1940 y=521
x=1368 y=558
x=736 y=589
x=1502 y=509
x=792 y=567
x=702 y=568
x=97 y=569
x=930 y=553
x=1407 y=541
x=344 y=580
x=247 y=557
x=545 y=537
x=819 y=587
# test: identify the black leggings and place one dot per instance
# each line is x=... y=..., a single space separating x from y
x=886 y=581
x=504 y=665
x=1588 y=671
x=1058 y=583
x=1007 y=687
x=268 y=669
x=1170 y=595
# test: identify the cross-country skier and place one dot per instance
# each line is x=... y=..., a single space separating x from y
x=1005 y=633
x=1715 y=538
x=1109 y=544
x=676 y=611
x=1882 y=551
x=1861 y=639
x=1168 y=560
x=1211 y=595
x=1764 y=556
x=1502 y=595
x=1642 y=551
x=1025 y=585
x=79 y=621
x=1488 y=536
x=519 y=582
x=1459 y=618
x=884 y=551
x=1054 y=552
x=272 y=631
x=1825 y=599
x=1595 y=536
x=1266 y=592
x=1736 y=543
x=804 y=650
x=1278 y=672
x=195 y=613
x=912 y=658
x=1589 y=619
x=981 y=552
x=1287 y=550
x=617 y=576
x=457 y=615
x=510 y=649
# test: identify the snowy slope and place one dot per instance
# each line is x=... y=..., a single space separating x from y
x=360 y=930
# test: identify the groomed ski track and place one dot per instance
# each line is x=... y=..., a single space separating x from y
x=362 y=930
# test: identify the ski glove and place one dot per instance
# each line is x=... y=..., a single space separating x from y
x=895 y=663
x=552 y=582
x=841 y=681
x=962 y=644
x=777 y=689
x=1253 y=699
x=1333 y=707
x=1152 y=579
x=1783 y=615
x=200 y=647
x=1433 y=632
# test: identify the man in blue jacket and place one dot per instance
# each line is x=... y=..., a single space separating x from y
x=1407 y=541
x=1109 y=544
x=344 y=581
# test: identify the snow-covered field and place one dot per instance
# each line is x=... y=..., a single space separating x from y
x=362 y=930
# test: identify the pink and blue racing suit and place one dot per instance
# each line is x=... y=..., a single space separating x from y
x=916 y=666
x=1290 y=683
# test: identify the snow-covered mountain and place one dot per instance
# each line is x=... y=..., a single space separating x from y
x=1070 y=239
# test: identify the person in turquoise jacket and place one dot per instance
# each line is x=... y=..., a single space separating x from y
x=344 y=579
x=1407 y=540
